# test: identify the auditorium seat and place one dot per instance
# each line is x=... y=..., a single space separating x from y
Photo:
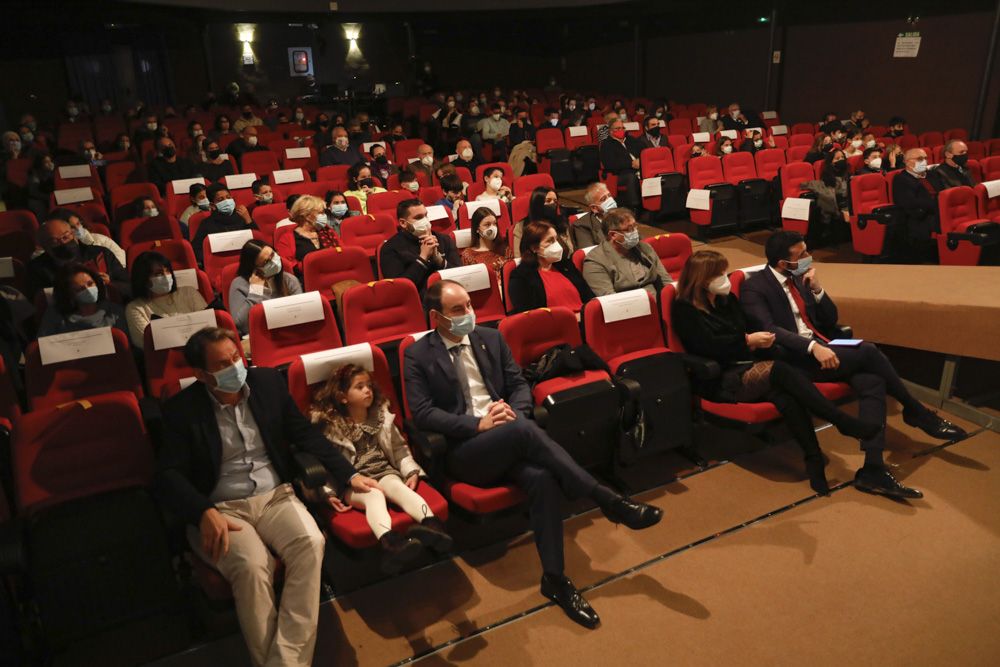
x=990 y=168
x=18 y=221
x=769 y=163
x=284 y=245
x=740 y=170
x=215 y=261
x=673 y=251
x=933 y=138
x=803 y=128
x=281 y=345
x=323 y=269
x=50 y=385
x=91 y=180
x=800 y=140
x=524 y=185
x=167 y=366
x=796 y=153
x=178 y=201
x=179 y=252
x=793 y=175
x=143 y=230
x=387 y=201
x=306 y=164
x=261 y=163
x=487 y=301
x=336 y=172
x=965 y=234
x=659 y=163
x=406 y=149
x=989 y=207
x=368 y=232
x=124 y=195
x=508 y=172
x=267 y=216
x=382 y=311
x=872 y=215
x=705 y=173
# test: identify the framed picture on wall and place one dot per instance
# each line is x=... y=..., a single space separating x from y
x=300 y=61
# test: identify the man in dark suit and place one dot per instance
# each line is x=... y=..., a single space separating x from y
x=168 y=166
x=952 y=173
x=227 y=216
x=416 y=251
x=735 y=119
x=225 y=468
x=913 y=192
x=616 y=158
x=787 y=300
x=462 y=381
x=651 y=137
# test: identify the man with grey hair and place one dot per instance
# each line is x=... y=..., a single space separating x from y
x=341 y=151
x=587 y=230
x=622 y=262
x=912 y=191
x=952 y=172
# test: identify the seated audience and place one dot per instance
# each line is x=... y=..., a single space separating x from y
x=337 y=210
x=381 y=167
x=622 y=261
x=462 y=382
x=451 y=188
x=710 y=322
x=616 y=158
x=710 y=121
x=226 y=216
x=60 y=247
x=735 y=120
x=952 y=172
x=755 y=142
x=240 y=510
x=85 y=236
x=821 y=147
x=894 y=157
x=425 y=163
x=263 y=193
x=494 y=130
x=259 y=277
x=723 y=146
x=832 y=195
x=853 y=143
x=155 y=294
x=787 y=299
x=546 y=276
x=356 y=419
x=466 y=156
x=223 y=127
x=897 y=127
x=522 y=129
x=168 y=166
x=587 y=229
x=495 y=189
x=488 y=246
x=247 y=143
x=41 y=184
x=408 y=181
x=912 y=192
x=543 y=206
x=217 y=164
x=341 y=151
x=313 y=230
x=149 y=131
x=247 y=119
x=872 y=161
x=416 y=251
x=651 y=138
x=79 y=301
x=830 y=124
x=198 y=194
x=360 y=184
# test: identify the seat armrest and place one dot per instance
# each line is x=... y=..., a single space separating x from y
x=432 y=445
x=701 y=368
x=540 y=416
x=311 y=474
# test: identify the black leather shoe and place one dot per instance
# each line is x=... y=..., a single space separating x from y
x=634 y=515
x=562 y=591
x=431 y=533
x=880 y=481
x=817 y=476
x=929 y=422
x=397 y=551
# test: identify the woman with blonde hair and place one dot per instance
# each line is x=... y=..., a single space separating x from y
x=312 y=228
x=709 y=321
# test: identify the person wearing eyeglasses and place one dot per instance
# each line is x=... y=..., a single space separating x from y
x=623 y=262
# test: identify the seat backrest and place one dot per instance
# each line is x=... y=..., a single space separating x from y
x=867 y=192
x=547 y=139
x=956 y=206
x=259 y=162
x=368 y=232
x=279 y=346
x=582 y=138
x=53 y=464
x=990 y=167
x=739 y=166
x=612 y=339
x=178 y=201
x=142 y=230
x=429 y=196
x=656 y=161
x=800 y=140
x=320 y=366
x=166 y=366
x=125 y=194
x=214 y=262
x=268 y=216
x=705 y=170
x=335 y=172
x=50 y=385
x=793 y=175
x=907 y=141
x=18 y=221
x=406 y=149
x=672 y=249
x=523 y=185
x=531 y=333
x=680 y=126
x=769 y=162
x=667 y=296
x=933 y=138
x=508 y=172
x=803 y=128
x=325 y=268
x=487 y=302
x=387 y=201
x=179 y=252
x=381 y=311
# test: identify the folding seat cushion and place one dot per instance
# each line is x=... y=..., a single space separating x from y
x=163 y=347
x=382 y=311
x=965 y=234
x=481 y=284
x=284 y=328
x=68 y=367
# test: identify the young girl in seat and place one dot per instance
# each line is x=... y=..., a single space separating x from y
x=356 y=419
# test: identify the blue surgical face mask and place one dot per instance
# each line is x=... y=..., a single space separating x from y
x=321 y=221
x=88 y=295
x=273 y=266
x=226 y=206
x=231 y=378
x=802 y=266
x=339 y=210
x=463 y=325
x=203 y=204
x=609 y=204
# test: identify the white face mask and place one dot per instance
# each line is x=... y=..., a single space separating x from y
x=474 y=110
x=757 y=143
x=735 y=114
x=720 y=286
x=252 y=140
x=466 y=154
x=421 y=226
x=714 y=115
x=427 y=160
x=727 y=149
x=553 y=252
x=609 y=204
x=856 y=143
x=412 y=186
x=869 y=143
x=488 y=233
x=496 y=116
x=150 y=212
x=496 y=183
x=875 y=163
x=920 y=167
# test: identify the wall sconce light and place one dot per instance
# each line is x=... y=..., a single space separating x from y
x=245 y=33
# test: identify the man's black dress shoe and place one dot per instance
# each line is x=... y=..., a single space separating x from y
x=562 y=591
x=880 y=481
x=929 y=422
x=634 y=515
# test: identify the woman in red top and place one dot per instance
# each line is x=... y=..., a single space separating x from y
x=488 y=246
x=546 y=276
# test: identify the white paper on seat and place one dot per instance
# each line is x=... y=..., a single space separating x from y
x=6 y=267
x=437 y=212
x=73 y=196
x=463 y=238
x=224 y=156
x=779 y=129
x=75 y=171
x=751 y=130
x=297 y=153
x=992 y=188
x=174 y=331
x=296 y=309
x=367 y=147
x=452 y=157
x=48 y=291
x=413 y=159
x=182 y=186
x=796 y=208
x=699 y=200
x=652 y=187
x=240 y=181
x=186 y=278
x=729 y=133
x=517 y=261
x=187 y=382
x=625 y=305
x=578 y=131
x=76 y=345
x=631 y=126
x=228 y=241
x=420 y=334
x=492 y=204
x=284 y=223
x=288 y=176
x=319 y=366
x=768 y=115
x=473 y=277
x=701 y=137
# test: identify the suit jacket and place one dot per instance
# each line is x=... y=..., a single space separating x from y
x=641 y=143
x=217 y=223
x=946 y=176
x=767 y=309
x=42 y=269
x=189 y=458
x=162 y=172
x=398 y=258
x=615 y=158
x=587 y=231
x=919 y=205
x=607 y=272
x=431 y=384
x=526 y=290
x=332 y=155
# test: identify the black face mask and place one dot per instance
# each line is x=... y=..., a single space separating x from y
x=366 y=182
x=381 y=159
x=168 y=152
x=66 y=252
x=840 y=167
x=827 y=148
x=214 y=155
x=248 y=114
x=399 y=137
x=960 y=160
x=653 y=131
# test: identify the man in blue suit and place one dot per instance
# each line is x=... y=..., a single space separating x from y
x=462 y=381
